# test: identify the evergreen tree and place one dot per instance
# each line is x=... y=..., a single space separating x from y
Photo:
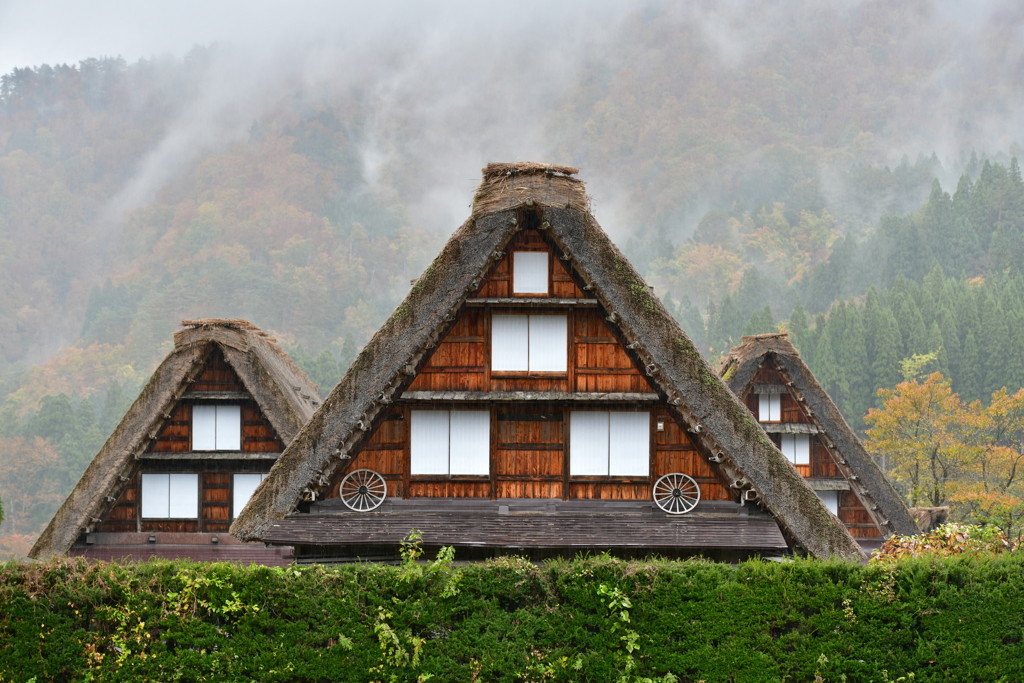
x=970 y=375
x=800 y=333
x=348 y=353
x=325 y=372
x=114 y=407
x=855 y=372
x=885 y=365
x=692 y=322
x=935 y=346
x=994 y=348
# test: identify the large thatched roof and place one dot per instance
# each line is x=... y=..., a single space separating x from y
x=739 y=369
x=285 y=396
x=698 y=398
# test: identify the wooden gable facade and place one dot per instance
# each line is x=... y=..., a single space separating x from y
x=529 y=414
x=527 y=397
x=769 y=376
x=200 y=455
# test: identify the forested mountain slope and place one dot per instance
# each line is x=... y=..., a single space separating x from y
x=757 y=164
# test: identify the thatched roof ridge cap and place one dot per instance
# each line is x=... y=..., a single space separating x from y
x=764 y=335
x=525 y=167
x=234 y=323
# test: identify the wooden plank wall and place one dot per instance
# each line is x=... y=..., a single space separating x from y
x=217 y=375
x=215 y=499
x=498 y=283
x=529 y=459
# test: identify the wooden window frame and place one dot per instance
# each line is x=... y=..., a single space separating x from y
x=199 y=499
x=609 y=477
x=528 y=374
x=512 y=274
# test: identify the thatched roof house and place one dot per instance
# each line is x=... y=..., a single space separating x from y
x=770 y=377
x=203 y=432
x=528 y=394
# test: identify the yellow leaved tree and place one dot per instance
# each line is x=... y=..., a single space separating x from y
x=940 y=451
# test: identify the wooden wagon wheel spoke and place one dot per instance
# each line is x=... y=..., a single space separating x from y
x=363 y=490
x=676 y=493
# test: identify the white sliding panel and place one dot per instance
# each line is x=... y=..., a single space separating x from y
x=769 y=407
x=801 y=449
x=530 y=272
x=510 y=343
x=243 y=486
x=428 y=449
x=787 y=446
x=831 y=500
x=229 y=428
x=796 y=447
x=184 y=496
x=588 y=442
x=204 y=428
x=470 y=442
x=548 y=349
x=629 y=444
x=155 y=490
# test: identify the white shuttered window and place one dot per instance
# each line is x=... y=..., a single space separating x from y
x=831 y=500
x=450 y=442
x=242 y=488
x=769 y=408
x=534 y=343
x=216 y=428
x=609 y=443
x=530 y=272
x=510 y=342
x=796 y=447
x=174 y=496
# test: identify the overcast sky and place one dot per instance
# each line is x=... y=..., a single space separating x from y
x=54 y=31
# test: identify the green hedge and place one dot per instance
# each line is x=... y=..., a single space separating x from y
x=595 y=619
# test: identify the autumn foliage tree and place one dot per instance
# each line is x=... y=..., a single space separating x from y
x=941 y=451
x=925 y=437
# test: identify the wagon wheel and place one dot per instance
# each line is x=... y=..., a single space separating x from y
x=676 y=493
x=363 y=490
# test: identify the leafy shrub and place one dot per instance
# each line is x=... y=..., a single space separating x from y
x=957 y=618
x=947 y=539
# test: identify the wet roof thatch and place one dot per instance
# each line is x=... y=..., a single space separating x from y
x=386 y=366
x=739 y=369
x=285 y=395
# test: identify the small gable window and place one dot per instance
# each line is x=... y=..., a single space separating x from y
x=170 y=496
x=529 y=343
x=216 y=427
x=450 y=442
x=243 y=486
x=609 y=443
x=831 y=500
x=769 y=408
x=530 y=272
x=796 y=447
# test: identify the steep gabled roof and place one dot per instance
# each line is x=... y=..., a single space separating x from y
x=739 y=368
x=285 y=396
x=558 y=205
